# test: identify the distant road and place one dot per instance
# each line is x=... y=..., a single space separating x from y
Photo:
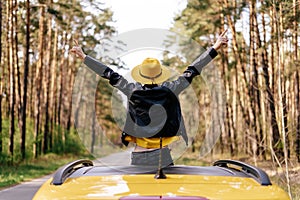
x=26 y=190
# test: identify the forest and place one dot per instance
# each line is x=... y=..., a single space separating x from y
x=259 y=72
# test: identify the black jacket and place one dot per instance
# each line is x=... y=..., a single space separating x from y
x=153 y=110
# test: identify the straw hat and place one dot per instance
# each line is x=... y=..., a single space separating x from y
x=150 y=72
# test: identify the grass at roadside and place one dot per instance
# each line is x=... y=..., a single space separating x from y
x=25 y=171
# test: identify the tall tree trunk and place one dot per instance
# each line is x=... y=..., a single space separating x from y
x=224 y=62
x=59 y=101
x=235 y=87
x=53 y=86
x=31 y=93
x=253 y=79
x=297 y=81
x=47 y=89
x=93 y=132
x=270 y=89
x=12 y=78
x=2 y=70
x=242 y=96
x=17 y=67
x=264 y=63
x=296 y=8
x=60 y=106
x=69 y=90
x=25 y=83
x=228 y=90
x=285 y=85
x=281 y=108
x=38 y=85
x=6 y=79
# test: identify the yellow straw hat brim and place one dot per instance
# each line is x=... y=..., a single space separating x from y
x=138 y=77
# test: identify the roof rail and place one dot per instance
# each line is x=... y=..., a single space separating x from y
x=63 y=173
x=259 y=175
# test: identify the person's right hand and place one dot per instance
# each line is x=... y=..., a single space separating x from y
x=221 y=41
x=77 y=50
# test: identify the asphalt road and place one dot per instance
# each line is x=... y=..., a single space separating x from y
x=26 y=190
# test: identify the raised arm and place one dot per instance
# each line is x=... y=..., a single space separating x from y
x=195 y=68
x=93 y=64
x=115 y=79
x=211 y=53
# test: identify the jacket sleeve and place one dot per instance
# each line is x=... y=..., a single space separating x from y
x=193 y=70
x=204 y=59
x=115 y=79
x=95 y=65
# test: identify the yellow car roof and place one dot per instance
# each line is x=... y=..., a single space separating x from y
x=225 y=180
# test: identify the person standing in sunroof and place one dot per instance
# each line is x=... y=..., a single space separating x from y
x=154 y=119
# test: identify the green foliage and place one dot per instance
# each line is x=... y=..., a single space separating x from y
x=64 y=141
x=106 y=101
x=27 y=170
x=73 y=143
x=199 y=18
x=5 y=158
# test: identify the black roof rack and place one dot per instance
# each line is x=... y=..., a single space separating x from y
x=64 y=172
x=258 y=174
x=76 y=168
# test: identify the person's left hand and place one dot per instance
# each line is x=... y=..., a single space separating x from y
x=222 y=40
x=77 y=50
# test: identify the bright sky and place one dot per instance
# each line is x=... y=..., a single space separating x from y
x=136 y=14
x=130 y=15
